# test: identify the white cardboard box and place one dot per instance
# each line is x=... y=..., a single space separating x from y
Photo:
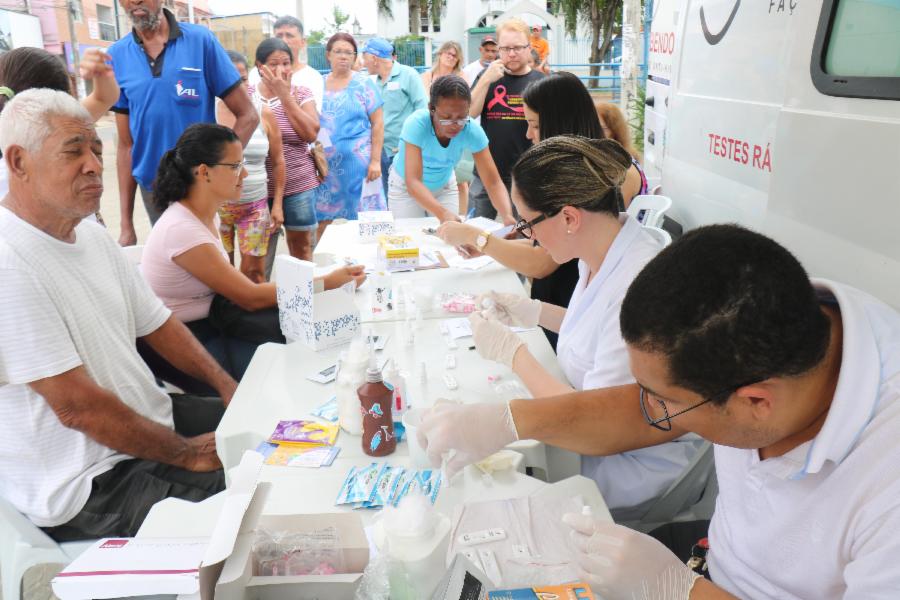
x=374 y=223
x=318 y=320
x=116 y=567
x=239 y=582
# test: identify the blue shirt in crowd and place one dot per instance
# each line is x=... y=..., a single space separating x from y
x=437 y=161
x=403 y=92
x=163 y=97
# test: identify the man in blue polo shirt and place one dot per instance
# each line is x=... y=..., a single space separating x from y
x=403 y=94
x=170 y=74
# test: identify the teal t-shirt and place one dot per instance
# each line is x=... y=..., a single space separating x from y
x=437 y=161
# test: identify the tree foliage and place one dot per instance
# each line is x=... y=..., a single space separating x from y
x=601 y=16
x=337 y=20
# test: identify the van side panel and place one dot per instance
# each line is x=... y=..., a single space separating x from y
x=749 y=139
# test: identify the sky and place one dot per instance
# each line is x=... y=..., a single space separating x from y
x=315 y=12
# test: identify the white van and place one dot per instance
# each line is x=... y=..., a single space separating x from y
x=783 y=116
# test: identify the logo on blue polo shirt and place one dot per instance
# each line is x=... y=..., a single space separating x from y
x=186 y=92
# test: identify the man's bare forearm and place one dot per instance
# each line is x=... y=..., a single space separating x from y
x=83 y=405
x=175 y=342
x=594 y=422
x=127 y=183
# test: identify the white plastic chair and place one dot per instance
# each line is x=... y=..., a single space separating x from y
x=660 y=234
x=649 y=210
x=133 y=254
x=23 y=545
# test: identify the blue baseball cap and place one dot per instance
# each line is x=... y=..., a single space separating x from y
x=379 y=47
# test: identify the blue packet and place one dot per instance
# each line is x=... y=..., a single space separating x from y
x=426 y=482
x=344 y=493
x=327 y=411
x=266 y=448
x=362 y=489
x=385 y=487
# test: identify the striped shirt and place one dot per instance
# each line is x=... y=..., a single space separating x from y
x=66 y=305
x=299 y=166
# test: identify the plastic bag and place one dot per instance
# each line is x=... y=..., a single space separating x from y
x=291 y=553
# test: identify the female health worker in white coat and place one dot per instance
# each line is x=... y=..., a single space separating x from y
x=567 y=190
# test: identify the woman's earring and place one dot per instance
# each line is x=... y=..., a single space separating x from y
x=569 y=231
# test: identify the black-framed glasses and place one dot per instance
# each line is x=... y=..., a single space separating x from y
x=526 y=228
x=236 y=167
x=665 y=422
x=514 y=49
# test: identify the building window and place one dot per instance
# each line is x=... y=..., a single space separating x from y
x=856 y=48
x=106 y=21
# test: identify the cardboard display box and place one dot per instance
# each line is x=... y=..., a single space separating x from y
x=239 y=580
x=375 y=223
x=221 y=566
x=318 y=320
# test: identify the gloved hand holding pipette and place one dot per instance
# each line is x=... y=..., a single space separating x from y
x=447 y=431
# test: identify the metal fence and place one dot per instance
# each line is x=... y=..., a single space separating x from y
x=408 y=53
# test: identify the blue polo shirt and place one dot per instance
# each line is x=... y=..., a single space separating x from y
x=163 y=97
x=403 y=93
x=437 y=161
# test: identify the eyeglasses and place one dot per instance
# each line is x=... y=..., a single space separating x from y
x=664 y=423
x=343 y=53
x=451 y=122
x=513 y=49
x=526 y=228
x=236 y=167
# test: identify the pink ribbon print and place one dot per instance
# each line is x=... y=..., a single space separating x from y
x=500 y=98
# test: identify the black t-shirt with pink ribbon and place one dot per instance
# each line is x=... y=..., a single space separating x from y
x=503 y=120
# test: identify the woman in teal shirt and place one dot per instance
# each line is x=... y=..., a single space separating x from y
x=422 y=181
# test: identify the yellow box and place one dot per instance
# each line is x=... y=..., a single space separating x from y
x=397 y=252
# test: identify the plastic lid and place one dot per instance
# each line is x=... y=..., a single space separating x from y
x=373 y=373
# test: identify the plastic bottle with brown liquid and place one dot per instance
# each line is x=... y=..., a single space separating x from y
x=378 y=422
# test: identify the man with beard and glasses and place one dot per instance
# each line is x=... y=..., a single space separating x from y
x=169 y=74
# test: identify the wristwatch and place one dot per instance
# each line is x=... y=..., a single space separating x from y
x=482 y=240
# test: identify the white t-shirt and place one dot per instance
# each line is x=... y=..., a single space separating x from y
x=306 y=77
x=593 y=355
x=823 y=521
x=471 y=71
x=66 y=305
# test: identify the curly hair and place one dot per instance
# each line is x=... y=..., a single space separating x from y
x=726 y=307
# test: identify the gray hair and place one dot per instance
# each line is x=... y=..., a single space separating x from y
x=26 y=120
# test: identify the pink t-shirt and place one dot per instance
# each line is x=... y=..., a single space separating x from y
x=177 y=231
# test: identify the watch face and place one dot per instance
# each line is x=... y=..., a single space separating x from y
x=481 y=241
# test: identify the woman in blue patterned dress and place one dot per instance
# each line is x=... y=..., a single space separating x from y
x=352 y=130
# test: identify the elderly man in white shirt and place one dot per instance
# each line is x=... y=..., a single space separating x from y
x=796 y=382
x=88 y=442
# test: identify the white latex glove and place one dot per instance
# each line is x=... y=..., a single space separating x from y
x=494 y=340
x=465 y=433
x=619 y=562
x=511 y=309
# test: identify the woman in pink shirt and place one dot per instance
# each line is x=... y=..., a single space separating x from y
x=186 y=264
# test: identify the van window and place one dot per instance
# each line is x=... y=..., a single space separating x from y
x=857 y=49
